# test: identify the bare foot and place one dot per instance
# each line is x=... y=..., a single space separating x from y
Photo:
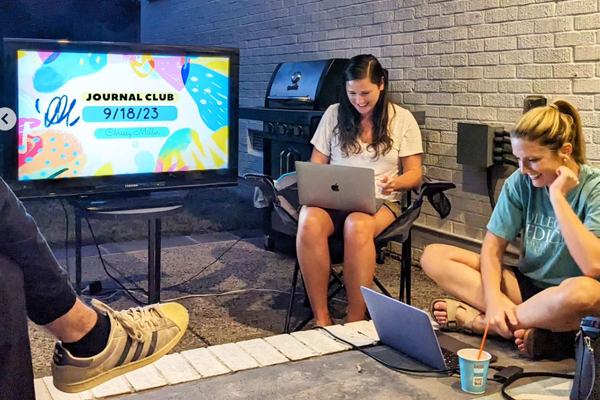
x=441 y=315
x=519 y=334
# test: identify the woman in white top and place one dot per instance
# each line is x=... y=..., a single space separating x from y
x=363 y=130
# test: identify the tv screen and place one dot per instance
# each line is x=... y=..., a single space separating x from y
x=110 y=117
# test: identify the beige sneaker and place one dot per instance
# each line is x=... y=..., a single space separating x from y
x=138 y=337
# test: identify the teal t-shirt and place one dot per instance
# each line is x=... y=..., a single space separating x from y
x=522 y=206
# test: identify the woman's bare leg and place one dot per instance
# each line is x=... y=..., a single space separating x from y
x=559 y=308
x=314 y=228
x=360 y=230
x=457 y=271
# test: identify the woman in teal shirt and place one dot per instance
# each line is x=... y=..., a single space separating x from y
x=554 y=200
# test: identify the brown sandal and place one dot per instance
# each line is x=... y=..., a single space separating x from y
x=451 y=324
x=544 y=344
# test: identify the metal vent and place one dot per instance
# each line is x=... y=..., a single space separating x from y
x=255 y=141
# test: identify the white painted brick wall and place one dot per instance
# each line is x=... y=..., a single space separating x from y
x=458 y=60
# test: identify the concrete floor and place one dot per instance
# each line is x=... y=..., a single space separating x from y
x=352 y=375
x=218 y=319
x=218 y=263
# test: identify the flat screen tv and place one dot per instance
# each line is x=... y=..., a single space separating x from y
x=99 y=118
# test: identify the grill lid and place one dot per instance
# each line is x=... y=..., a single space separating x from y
x=297 y=81
x=312 y=85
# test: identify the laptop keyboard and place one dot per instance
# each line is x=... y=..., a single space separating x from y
x=451 y=358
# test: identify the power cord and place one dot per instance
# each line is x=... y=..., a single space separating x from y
x=135 y=299
x=523 y=375
x=205 y=268
x=62 y=203
x=502 y=155
x=189 y=296
x=137 y=288
x=449 y=371
x=506 y=375
x=490 y=186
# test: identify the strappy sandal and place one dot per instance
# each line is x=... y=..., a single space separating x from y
x=543 y=344
x=451 y=324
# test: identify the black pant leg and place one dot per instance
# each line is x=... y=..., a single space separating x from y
x=48 y=293
x=16 y=372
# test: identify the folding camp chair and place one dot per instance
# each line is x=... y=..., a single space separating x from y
x=282 y=196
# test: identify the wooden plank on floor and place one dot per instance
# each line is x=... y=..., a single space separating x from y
x=114 y=387
x=234 y=357
x=205 y=363
x=320 y=343
x=176 y=369
x=263 y=352
x=349 y=335
x=146 y=378
x=59 y=395
x=367 y=328
x=291 y=347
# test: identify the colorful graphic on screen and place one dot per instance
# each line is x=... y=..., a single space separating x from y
x=86 y=114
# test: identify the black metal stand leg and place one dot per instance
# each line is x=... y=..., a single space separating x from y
x=77 y=252
x=154 y=249
x=405 y=276
x=402 y=278
x=286 y=328
x=311 y=315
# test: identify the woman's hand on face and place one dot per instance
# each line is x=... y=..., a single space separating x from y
x=565 y=181
x=386 y=185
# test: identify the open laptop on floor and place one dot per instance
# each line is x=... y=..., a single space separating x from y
x=337 y=187
x=408 y=330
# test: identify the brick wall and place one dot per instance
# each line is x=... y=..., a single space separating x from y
x=458 y=60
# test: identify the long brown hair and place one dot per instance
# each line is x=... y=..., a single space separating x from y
x=553 y=126
x=349 y=127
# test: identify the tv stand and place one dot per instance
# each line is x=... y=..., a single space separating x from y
x=89 y=210
x=138 y=201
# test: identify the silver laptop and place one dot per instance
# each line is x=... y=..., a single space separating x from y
x=409 y=330
x=337 y=187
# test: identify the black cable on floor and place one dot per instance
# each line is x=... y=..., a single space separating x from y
x=62 y=203
x=449 y=371
x=515 y=378
x=137 y=288
x=490 y=186
x=205 y=268
x=106 y=270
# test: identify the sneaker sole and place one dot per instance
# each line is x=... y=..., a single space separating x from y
x=113 y=373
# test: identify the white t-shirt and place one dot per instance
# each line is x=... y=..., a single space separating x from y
x=406 y=137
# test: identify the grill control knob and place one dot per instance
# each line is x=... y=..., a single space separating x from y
x=281 y=129
x=298 y=130
x=269 y=127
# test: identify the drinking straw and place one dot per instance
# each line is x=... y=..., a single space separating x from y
x=487 y=326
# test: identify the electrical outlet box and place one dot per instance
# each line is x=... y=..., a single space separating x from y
x=475 y=144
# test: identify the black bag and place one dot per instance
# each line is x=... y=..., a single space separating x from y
x=586 y=384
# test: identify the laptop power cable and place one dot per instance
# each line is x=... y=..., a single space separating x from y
x=512 y=378
x=450 y=371
x=505 y=375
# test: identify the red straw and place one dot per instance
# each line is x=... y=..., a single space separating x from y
x=487 y=326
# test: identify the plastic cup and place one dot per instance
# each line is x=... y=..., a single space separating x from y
x=473 y=372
